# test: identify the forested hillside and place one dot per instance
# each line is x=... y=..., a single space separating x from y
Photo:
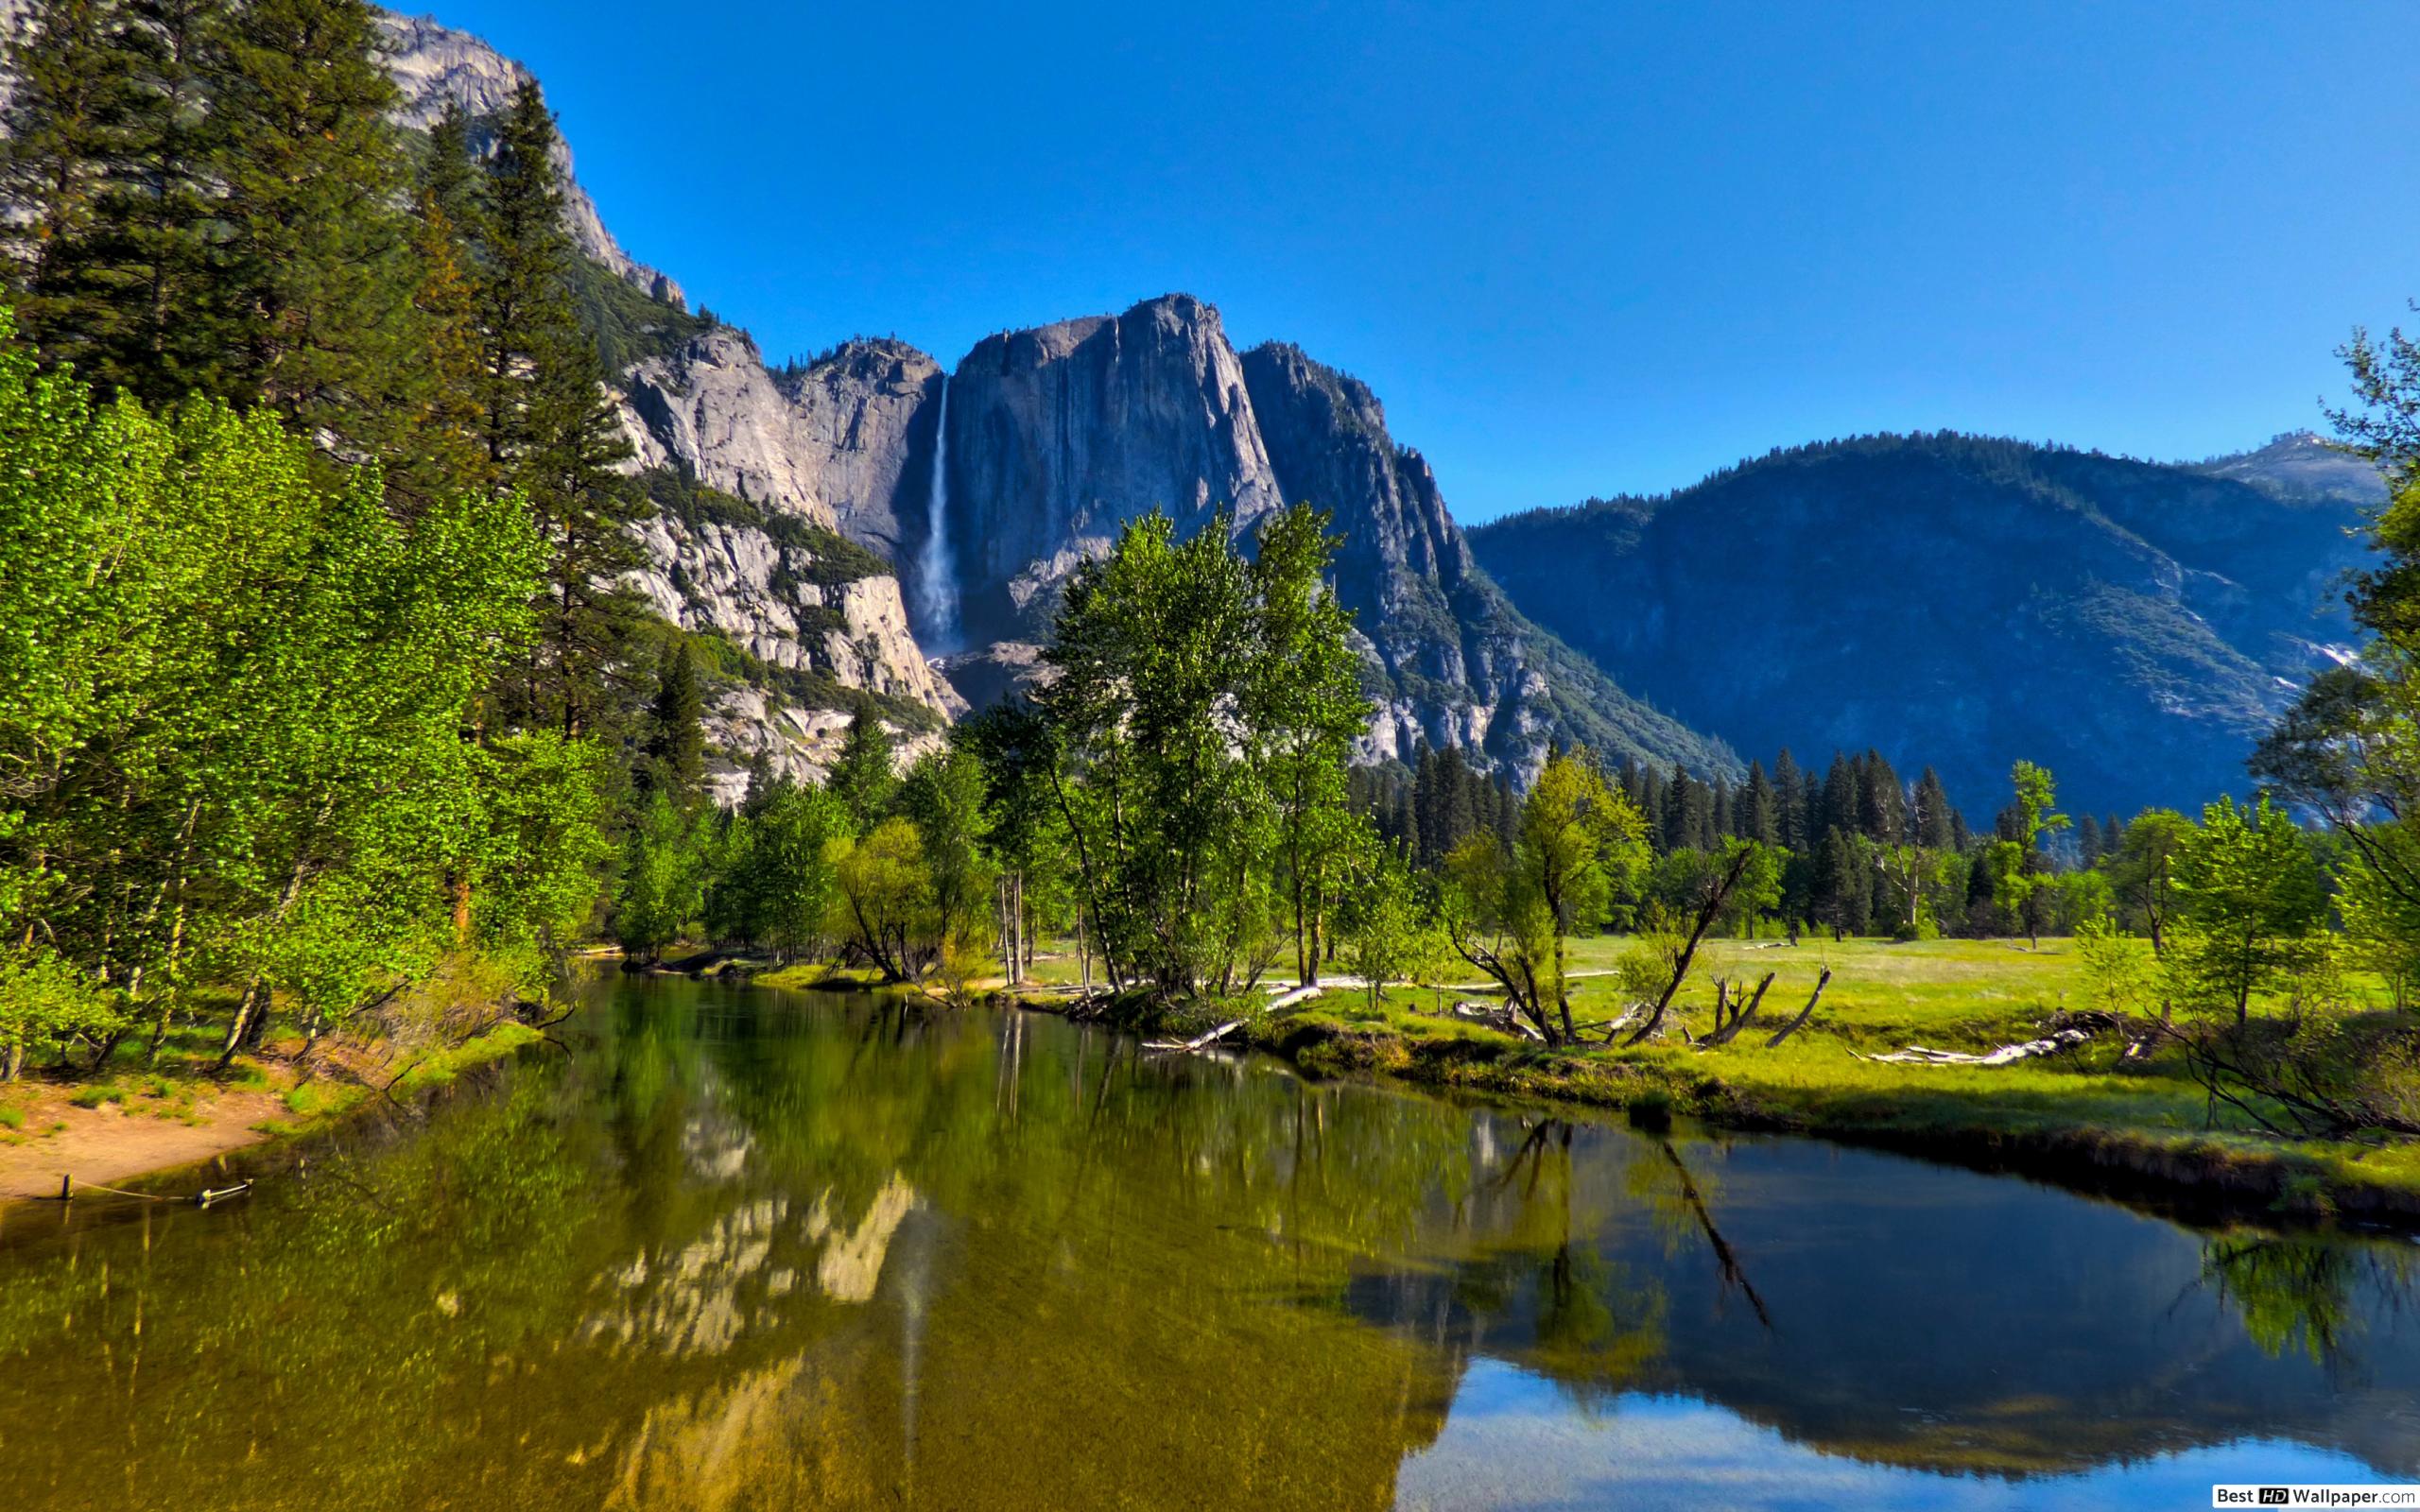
x=1962 y=601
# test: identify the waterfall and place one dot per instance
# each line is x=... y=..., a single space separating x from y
x=936 y=582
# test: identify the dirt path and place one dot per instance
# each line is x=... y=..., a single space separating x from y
x=116 y=1141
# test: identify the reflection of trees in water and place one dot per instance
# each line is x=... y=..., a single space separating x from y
x=2300 y=1293
x=700 y=1265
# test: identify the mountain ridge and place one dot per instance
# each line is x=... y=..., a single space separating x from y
x=1962 y=601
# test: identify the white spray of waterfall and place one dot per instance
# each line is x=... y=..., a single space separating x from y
x=936 y=584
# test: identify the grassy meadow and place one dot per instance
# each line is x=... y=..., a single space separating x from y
x=2142 y=1119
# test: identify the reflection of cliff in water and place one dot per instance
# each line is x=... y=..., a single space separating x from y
x=744 y=1250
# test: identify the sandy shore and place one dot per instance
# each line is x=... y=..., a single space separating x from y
x=116 y=1140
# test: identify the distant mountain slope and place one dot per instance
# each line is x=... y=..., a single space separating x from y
x=1964 y=602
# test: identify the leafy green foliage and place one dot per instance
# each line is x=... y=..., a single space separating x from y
x=232 y=709
x=2251 y=898
x=1197 y=719
x=1512 y=912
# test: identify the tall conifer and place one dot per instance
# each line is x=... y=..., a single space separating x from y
x=551 y=432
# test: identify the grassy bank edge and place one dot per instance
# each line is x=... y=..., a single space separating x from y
x=2210 y=1175
x=317 y=1106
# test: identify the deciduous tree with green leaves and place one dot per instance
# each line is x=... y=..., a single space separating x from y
x=1512 y=912
x=2251 y=899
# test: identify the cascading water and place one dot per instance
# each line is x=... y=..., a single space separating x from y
x=936 y=584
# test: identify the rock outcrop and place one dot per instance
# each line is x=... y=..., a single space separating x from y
x=433 y=63
x=845 y=441
x=1460 y=666
x=1060 y=436
x=803 y=624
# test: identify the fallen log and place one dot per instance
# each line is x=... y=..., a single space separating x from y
x=2006 y=1055
x=1199 y=1041
x=1502 y=1020
x=1287 y=999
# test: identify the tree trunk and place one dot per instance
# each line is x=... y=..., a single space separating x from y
x=1706 y=911
x=242 y=1021
x=1804 y=1014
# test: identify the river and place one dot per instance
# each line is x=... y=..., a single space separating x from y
x=730 y=1248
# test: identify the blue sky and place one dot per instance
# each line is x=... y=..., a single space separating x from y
x=1575 y=248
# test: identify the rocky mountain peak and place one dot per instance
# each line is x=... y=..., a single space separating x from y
x=1062 y=433
x=432 y=63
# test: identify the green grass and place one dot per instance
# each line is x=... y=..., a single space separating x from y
x=96 y=1096
x=2083 y=1107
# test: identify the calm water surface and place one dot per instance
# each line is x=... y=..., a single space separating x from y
x=740 y=1249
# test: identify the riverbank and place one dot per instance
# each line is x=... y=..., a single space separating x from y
x=2084 y=1119
x=135 y=1127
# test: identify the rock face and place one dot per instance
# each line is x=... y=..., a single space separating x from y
x=432 y=64
x=846 y=441
x=1960 y=602
x=1460 y=666
x=807 y=624
x=1061 y=436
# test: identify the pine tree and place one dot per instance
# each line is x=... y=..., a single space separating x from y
x=2087 y=842
x=550 y=429
x=451 y=454
x=1758 y=816
x=311 y=277
x=865 y=775
x=1843 y=806
x=676 y=744
x=1933 y=819
x=1680 y=804
x=155 y=224
x=762 y=785
x=1652 y=806
x=1880 y=804
x=1790 y=802
x=69 y=72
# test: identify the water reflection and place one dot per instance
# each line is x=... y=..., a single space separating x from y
x=742 y=1250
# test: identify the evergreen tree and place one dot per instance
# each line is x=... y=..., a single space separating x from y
x=550 y=429
x=1845 y=882
x=308 y=301
x=1759 y=817
x=761 y=784
x=1936 y=823
x=2088 y=850
x=1842 y=806
x=155 y=222
x=865 y=775
x=1652 y=806
x=1681 y=803
x=1880 y=804
x=1789 y=800
x=676 y=741
x=450 y=453
x=70 y=77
